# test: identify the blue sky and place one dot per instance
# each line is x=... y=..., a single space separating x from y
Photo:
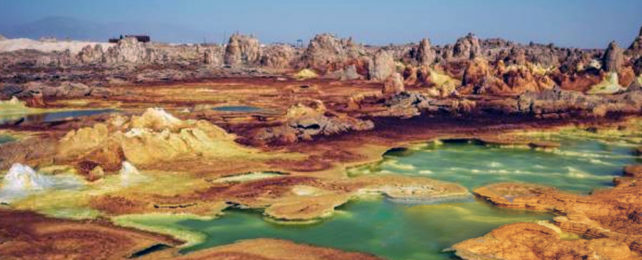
x=580 y=23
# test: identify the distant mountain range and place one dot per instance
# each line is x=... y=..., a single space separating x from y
x=71 y=28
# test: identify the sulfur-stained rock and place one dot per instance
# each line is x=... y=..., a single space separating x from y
x=393 y=85
x=152 y=138
x=533 y=241
x=610 y=213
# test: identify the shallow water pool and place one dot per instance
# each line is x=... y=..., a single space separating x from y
x=402 y=231
x=50 y=117
x=380 y=227
x=238 y=109
x=5 y=139
x=579 y=165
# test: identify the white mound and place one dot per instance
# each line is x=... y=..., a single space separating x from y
x=129 y=174
x=24 y=178
x=46 y=46
x=156 y=119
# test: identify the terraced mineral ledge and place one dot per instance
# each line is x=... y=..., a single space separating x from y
x=484 y=149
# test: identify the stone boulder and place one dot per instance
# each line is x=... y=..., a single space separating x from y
x=613 y=58
x=242 y=50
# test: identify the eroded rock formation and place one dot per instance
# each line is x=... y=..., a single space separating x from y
x=607 y=222
x=242 y=50
x=304 y=121
x=152 y=138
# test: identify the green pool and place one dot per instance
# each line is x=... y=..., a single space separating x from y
x=5 y=139
x=579 y=165
x=403 y=231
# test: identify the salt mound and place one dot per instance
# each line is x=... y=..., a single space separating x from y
x=21 y=178
x=157 y=119
x=128 y=169
x=129 y=174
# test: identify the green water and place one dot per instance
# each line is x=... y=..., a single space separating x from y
x=5 y=139
x=402 y=231
x=50 y=117
x=380 y=227
x=237 y=109
x=579 y=165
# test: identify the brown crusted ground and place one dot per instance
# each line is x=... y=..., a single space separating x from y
x=272 y=249
x=287 y=197
x=606 y=220
x=26 y=235
x=526 y=241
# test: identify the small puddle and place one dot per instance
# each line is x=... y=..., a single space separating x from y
x=51 y=117
x=5 y=139
x=246 y=109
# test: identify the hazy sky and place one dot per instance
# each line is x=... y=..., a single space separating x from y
x=580 y=23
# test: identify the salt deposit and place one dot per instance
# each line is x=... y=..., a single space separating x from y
x=47 y=46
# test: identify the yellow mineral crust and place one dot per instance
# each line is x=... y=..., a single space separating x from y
x=154 y=137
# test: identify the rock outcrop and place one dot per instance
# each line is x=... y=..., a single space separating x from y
x=466 y=48
x=130 y=51
x=242 y=50
x=635 y=50
x=382 y=66
x=613 y=59
x=91 y=55
x=278 y=56
x=153 y=138
x=424 y=54
x=326 y=53
x=606 y=219
x=535 y=241
x=304 y=121
x=393 y=85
